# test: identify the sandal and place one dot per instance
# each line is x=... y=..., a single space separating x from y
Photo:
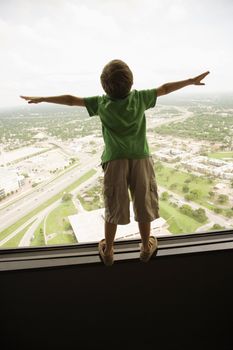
x=108 y=260
x=153 y=245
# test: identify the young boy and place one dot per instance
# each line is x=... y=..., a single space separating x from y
x=126 y=160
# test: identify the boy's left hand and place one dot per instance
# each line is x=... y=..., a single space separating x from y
x=198 y=78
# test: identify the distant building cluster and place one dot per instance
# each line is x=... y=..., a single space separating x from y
x=202 y=164
x=10 y=181
x=171 y=155
x=86 y=143
x=215 y=167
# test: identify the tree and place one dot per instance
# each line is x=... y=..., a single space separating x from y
x=223 y=198
x=66 y=197
x=229 y=213
x=185 y=188
x=217 y=227
x=67 y=226
x=196 y=193
x=217 y=210
x=200 y=215
x=173 y=186
x=186 y=210
x=158 y=166
x=164 y=196
x=210 y=181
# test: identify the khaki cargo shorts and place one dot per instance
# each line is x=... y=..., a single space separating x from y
x=136 y=176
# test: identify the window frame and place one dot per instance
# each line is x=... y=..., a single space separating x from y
x=125 y=250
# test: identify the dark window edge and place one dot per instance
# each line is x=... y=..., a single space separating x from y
x=125 y=250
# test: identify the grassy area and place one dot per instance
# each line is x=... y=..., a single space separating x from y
x=62 y=238
x=56 y=224
x=221 y=155
x=38 y=239
x=57 y=220
x=14 y=241
x=178 y=222
x=69 y=188
x=95 y=196
x=173 y=179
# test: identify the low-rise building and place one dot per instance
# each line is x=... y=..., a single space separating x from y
x=10 y=180
x=88 y=226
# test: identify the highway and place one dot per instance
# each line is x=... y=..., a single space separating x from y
x=22 y=207
x=42 y=215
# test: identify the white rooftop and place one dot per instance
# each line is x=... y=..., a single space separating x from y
x=88 y=226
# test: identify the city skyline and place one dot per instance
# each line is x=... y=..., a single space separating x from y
x=57 y=47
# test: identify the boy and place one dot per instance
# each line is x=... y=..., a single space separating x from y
x=126 y=160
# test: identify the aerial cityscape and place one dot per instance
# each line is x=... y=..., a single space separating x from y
x=51 y=176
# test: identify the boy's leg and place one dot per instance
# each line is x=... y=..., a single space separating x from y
x=144 y=193
x=116 y=200
x=110 y=231
x=144 y=229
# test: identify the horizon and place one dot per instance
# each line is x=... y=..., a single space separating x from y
x=173 y=97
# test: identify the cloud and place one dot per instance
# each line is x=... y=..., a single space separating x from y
x=61 y=45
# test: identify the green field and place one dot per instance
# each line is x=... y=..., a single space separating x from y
x=221 y=155
x=57 y=223
x=38 y=239
x=170 y=177
x=62 y=238
x=14 y=241
x=178 y=222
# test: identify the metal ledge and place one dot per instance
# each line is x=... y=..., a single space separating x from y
x=79 y=254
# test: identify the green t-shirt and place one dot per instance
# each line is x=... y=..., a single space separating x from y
x=123 y=123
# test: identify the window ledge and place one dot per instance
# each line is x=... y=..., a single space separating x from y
x=79 y=254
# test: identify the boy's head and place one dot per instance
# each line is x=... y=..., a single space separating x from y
x=116 y=79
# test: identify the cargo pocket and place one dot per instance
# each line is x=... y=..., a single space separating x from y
x=154 y=194
x=109 y=201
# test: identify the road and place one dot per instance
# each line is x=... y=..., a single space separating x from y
x=26 y=240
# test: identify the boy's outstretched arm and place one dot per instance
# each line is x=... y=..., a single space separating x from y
x=170 y=87
x=68 y=100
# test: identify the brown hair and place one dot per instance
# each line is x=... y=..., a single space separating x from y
x=116 y=79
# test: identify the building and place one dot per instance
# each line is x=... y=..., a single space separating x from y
x=10 y=180
x=81 y=226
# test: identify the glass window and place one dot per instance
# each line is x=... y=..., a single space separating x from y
x=51 y=179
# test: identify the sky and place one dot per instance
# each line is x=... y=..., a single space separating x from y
x=54 y=47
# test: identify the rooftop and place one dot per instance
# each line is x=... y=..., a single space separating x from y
x=81 y=226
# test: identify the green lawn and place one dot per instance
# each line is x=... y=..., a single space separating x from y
x=62 y=238
x=168 y=176
x=178 y=222
x=38 y=239
x=221 y=155
x=57 y=219
x=14 y=241
x=56 y=224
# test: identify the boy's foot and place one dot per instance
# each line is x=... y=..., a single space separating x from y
x=153 y=247
x=107 y=259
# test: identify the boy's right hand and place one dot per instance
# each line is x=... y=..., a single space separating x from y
x=32 y=99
